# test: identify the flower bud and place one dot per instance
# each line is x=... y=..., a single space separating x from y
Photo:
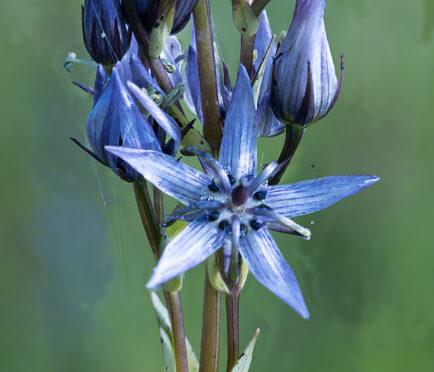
x=305 y=87
x=150 y=10
x=104 y=31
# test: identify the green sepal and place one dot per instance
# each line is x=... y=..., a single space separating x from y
x=243 y=363
x=167 y=338
x=216 y=279
x=161 y=28
x=244 y=17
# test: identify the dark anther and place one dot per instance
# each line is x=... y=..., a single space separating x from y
x=156 y=25
x=260 y=195
x=255 y=224
x=214 y=187
x=243 y=230
x=232 y=179
x=225 y=226
x=264 y=206
x=213 y=215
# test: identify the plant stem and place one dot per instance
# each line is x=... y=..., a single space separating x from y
x=232 y=320
x=173 y=302
x=293 y=135
x=246 y=57
x=147 y=215
x=207 y=73
x=210 y=345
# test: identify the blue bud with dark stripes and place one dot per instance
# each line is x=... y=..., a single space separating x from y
x=304 y=86
x=105 y=33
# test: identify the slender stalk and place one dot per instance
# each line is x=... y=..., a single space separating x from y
x=147 y=215
x=232 y=320
x=259 y=5
x=246 y=57
x=293 y=135
x=173 y=301
x=210 y=345
x=158 y=205
x=207 y=73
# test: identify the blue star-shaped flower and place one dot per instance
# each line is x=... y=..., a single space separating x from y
x=229 y=203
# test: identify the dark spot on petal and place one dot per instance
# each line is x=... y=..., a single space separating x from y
x=225 y=226
x=255 y=224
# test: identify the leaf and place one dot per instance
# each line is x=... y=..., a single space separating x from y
x=244 y=17
x=161 y=29
x=245 y=359
x=167 y=338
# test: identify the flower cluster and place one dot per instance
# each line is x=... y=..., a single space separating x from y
x=137 y=126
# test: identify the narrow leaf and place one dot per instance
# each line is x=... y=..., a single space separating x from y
x=166 y=343
x=243 y=363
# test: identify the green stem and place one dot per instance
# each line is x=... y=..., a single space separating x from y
x=173 y=302
x=232 y=321
x=246 y=57
x=210 y=345
x=207 y=74
x=293 y=135
x=147 y=215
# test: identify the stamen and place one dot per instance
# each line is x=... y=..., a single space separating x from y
x=262 y=177
x=255 y=224
x=225 y=226
x=214 y=187
x=213 y=215
x=260 y=195
x=243 y=230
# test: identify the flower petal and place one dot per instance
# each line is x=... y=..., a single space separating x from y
x=240 y=133
x=164 y=121
x=194 y=244
x=269 y=267
x=192 y=96
x=306 y=197
x=166 y=173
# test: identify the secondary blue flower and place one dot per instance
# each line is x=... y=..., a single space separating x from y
x=104 y=31
x=305 y=87
x=229 y=203
x=117 y=120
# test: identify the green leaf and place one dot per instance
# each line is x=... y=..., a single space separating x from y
x=245 y=359
x=244 y=17
x=161 y=28
x=167 y=338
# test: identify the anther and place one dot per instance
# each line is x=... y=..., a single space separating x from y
x=255 y=224
x=225 y=226
x=232 y=179
x=260 y=195
x=213 y=215
x=214 y=187
x=243 y=230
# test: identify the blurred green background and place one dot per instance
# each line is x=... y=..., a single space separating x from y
x=73 y=259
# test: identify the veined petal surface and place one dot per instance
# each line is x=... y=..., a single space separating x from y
x=174 y=178
x=310 y=196
x=269 y=267
x=240 y=133
x=194 y=244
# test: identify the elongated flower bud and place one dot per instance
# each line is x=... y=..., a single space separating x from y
x=149 y=11
x=305 y=87
x=104 y=31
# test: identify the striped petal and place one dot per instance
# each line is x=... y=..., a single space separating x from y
x=310 y=196
x=240 y=133
x=194 y=244
x=269 y=267
x=174 y=178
